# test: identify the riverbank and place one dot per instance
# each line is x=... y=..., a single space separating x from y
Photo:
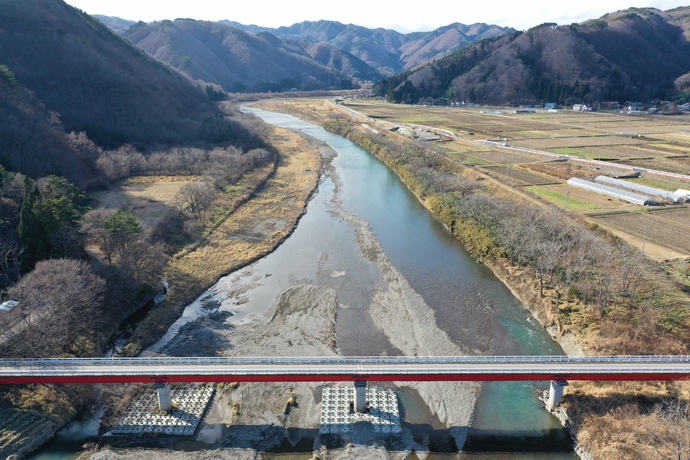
x=259 y=223
x=597 y=411
x=301 y=322
x=204 y=335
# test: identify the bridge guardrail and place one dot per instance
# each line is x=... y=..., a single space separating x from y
x=344 y=360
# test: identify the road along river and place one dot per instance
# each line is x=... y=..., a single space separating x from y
x=368 y=271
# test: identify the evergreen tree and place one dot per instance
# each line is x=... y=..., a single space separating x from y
x=119 y=232
x=29 y=228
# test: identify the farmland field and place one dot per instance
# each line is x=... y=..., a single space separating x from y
x=529 y=177
x=504 y=157
x=668 y=227
x=585 y=199
x=556 y=197
x=654 y=142
x=626 y=151
x=674 y=165
x=578 y=142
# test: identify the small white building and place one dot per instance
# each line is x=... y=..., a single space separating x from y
x=581 y=108
x=8 y=305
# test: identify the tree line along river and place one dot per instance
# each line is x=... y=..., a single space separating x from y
x=469 y=304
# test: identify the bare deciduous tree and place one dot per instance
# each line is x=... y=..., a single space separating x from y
x=145 y=260
x=198 y=197
x=10 y=261
x=59 y=300
x=669 y=432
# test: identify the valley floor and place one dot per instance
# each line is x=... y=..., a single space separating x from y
x=295 y=326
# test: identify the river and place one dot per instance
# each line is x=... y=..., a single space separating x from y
x=473 y=307
x=470 y=303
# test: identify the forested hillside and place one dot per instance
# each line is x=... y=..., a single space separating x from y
x=636 y=54
x=94 y=80
x=82 y=108
x=32 y=139
x=214 y=52
x=118 y=25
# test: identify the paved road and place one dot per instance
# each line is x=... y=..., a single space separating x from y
x=281 y=369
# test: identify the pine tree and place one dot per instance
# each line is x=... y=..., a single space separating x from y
x=29 y=231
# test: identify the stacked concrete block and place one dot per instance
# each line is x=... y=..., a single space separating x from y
x=144 y=417
x=337 y=418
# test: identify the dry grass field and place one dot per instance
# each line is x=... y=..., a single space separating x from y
x=240 y=236
x=150 y=199
x=654 y=142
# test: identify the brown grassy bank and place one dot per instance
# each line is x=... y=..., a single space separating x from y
x=260 y=217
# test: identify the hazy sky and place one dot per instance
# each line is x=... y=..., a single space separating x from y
x=398 y=15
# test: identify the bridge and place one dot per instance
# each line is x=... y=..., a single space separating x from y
x=359 y=369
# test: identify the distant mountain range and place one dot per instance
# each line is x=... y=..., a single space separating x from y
x=64 y=72
x=239 y=61
x=387 y=51
x=307 y=55
x=630 y=55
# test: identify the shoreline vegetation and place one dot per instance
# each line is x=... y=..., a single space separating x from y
x=278 y=195
x=245 y=223
x=610 y=420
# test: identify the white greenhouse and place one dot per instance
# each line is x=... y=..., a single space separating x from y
x=685 y=193
x=630 y=197
x=641 y=188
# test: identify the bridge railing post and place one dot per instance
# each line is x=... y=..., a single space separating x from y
x=556 y=393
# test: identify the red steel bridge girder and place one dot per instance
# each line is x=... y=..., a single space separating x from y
x=484 y=377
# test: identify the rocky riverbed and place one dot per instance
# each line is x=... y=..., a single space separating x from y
x=302 y=322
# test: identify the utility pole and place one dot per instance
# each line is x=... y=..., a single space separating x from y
x=567 y=194
x=644 y=238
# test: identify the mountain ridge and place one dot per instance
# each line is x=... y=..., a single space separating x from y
x=71 y=87
x=234 y=59
x=386 y=50
x=633 y=54
x=355 y=51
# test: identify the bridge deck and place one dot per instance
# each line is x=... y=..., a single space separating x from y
x=284 y=369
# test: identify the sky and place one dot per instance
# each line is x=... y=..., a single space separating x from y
x=397 y=15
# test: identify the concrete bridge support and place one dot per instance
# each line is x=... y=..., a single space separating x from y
x=164 y=396
x=360 y=396
x=556 y=393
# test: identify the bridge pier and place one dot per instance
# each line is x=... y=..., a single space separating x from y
x=556 y=393
x=360 y=396
x=164 y=396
